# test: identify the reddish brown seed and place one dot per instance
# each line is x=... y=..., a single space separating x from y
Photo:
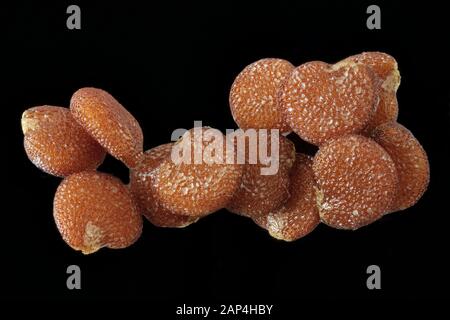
x=93 y=210
x=387 y=111
x=323 y=101
x=56 y=144
x=357 y=181
x=299 y=215
x=386 y=69
x=254 y=95
x=109 y=123
x=141 y=179
x=384 y=66
x=200 y=181
x=259 y=194
x=410 y=160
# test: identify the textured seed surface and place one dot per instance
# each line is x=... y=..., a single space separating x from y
x=94 y=210
x=386 y=69
x=56 y=143
x=384 y=66
x=357 y=181
x=141 y=179
x=254 y=95
x=109 y=123
x=410 y=160
x=387 y=110
x=259 y=194
x=323 y=101
x=299 y=215
x=204 y=185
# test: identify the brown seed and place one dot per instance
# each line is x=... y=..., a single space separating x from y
x=259 y=194
x=109 y=123
x=386 y=69
x=93 y=210
x=141 y=179
x=299 y=215
x=384 y=66
x=387 y=110
x=323 y=101
x=57 y=144
x=357 y=181
x=200 y=181
x=410 y=160
x=254 y=95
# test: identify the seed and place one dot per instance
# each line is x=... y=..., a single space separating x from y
x=56 y=144
x=105 y=119
x=410 y=160
x=141 y=179
x=254 y=95
x=93 y=210
x=357 y=181
x=386 y=70
x=259 y=194
x=201 y=183
x=323 y=101
x=299 y=215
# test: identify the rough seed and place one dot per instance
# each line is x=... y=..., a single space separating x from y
x=141 y=179
x=410 y=160
x=57 y=144
x=386 y=69
x=196 y=189
x=259 y=194
x=105 y=119
x=94 y=210
x=335 y=100
x=357 y=181
x=254 y=95
x=299 y=215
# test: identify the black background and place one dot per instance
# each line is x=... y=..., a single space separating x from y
x=172 y=64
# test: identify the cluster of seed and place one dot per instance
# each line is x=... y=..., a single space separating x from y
x=367 y=164
x=91 y=209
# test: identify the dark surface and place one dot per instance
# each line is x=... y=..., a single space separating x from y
x=175 y=64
